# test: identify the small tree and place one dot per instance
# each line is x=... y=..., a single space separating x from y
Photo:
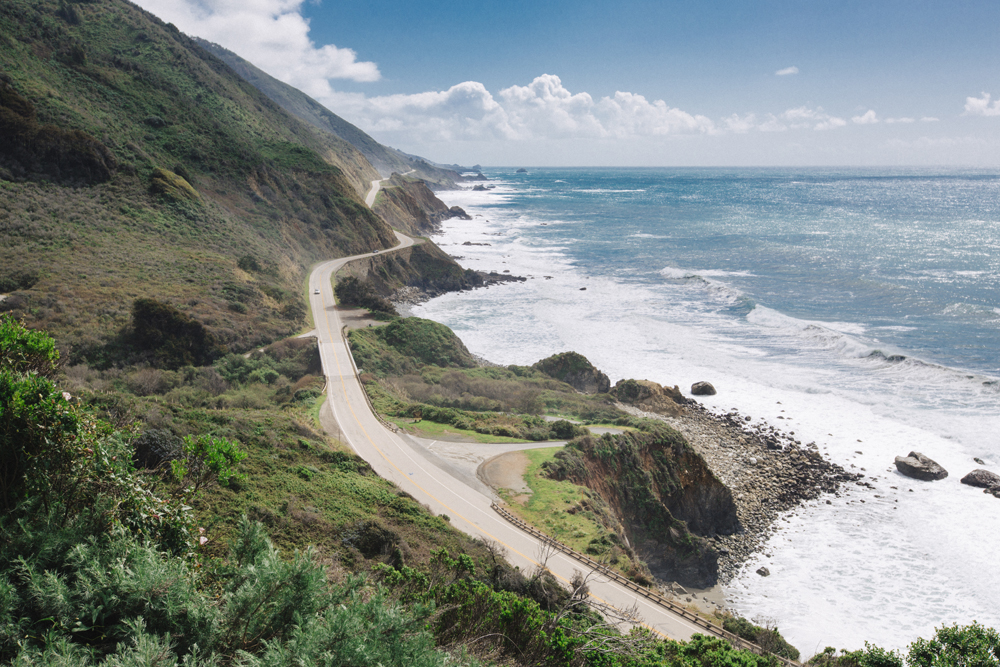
x=205 y=461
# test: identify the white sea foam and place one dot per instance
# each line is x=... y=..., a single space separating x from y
x=886 y=570
x=608 y=190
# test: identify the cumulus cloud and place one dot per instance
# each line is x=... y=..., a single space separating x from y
x=929 y=119
x=787 y=71
x=867 y=118
x=543 y=109
x=802 y=118
x=900 y=120
x=981 y=106
x=272 y=34
x=741 y=124
x=464 y=111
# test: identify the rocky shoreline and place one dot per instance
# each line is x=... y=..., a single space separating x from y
x=768 y=471
x=411 y=295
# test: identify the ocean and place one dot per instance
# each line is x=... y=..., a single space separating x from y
x=858 y=308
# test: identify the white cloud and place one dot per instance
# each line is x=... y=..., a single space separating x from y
x=740 y=125
x=900 y=120
x=980 y=106
x=787 y=71
x=543 y=109
x=802 y=118
x=272 y=34
x=464 y=111
x=867 y=118
x=929 y=119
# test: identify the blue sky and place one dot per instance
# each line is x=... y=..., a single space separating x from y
x=552 y=82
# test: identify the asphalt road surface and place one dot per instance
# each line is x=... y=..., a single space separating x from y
x=346 y=415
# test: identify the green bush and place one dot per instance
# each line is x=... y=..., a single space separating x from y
x=767 y=638
x=173 y=338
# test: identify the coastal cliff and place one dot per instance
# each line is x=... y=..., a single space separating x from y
x=423 y=268
x=662 y=495
x=410 y=206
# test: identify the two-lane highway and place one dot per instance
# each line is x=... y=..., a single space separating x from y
x=391 y=455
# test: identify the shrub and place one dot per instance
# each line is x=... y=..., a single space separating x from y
x=207 y=460
x=174 y=338
x=30 y=150
x=765 y=635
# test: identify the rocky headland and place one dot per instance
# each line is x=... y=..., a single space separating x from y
x=768 y=472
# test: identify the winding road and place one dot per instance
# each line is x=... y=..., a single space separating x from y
x=376 y=186
x=396 y=457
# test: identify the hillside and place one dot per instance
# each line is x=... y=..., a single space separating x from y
x=134 y=163
x=385 y=159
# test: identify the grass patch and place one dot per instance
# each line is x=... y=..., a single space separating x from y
x=434 y=430
x=565 y=511
x=549 y=501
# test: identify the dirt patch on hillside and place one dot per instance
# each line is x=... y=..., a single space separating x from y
x=358 y=318
x=507 y=472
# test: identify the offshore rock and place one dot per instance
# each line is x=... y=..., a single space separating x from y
x=650 y=396
x=983 y=479
x=575 y=370
x=918 y=466
x=763 y=571
x=703 y=389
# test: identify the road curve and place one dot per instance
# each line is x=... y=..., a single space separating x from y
x=347 y=416
x=376 y=186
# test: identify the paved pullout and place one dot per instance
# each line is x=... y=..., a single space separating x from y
x=346 y=415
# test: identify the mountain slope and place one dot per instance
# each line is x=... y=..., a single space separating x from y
x=133 y=163
x=385 y=159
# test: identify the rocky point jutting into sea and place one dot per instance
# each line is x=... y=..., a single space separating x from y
x=814 y=300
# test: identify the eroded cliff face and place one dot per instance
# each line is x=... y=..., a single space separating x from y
x=411 y=207
x=650 y=396
x=662 y=494
x=423 y=266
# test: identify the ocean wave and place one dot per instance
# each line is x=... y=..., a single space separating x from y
x=607 y=190
x=846 y=340
x=971 y=311
x=643 y=235
x=685 y=274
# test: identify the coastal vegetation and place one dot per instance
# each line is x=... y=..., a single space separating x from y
x=134 y=164
x=420 y=370
x=108 y=556
x=167 y=495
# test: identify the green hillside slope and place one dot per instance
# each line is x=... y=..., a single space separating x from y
x=133 y=163
x=387 y=160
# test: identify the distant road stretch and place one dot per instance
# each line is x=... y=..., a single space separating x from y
x=391 y=455
x=376 y=186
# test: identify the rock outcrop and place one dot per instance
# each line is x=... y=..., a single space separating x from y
x=918 y=466
x=703 y=389
x=983 y=479
x=410 y=206
x=419 y=272
x=662 y=494
x=575 y=370
x=649 y=396
x=786 y=474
